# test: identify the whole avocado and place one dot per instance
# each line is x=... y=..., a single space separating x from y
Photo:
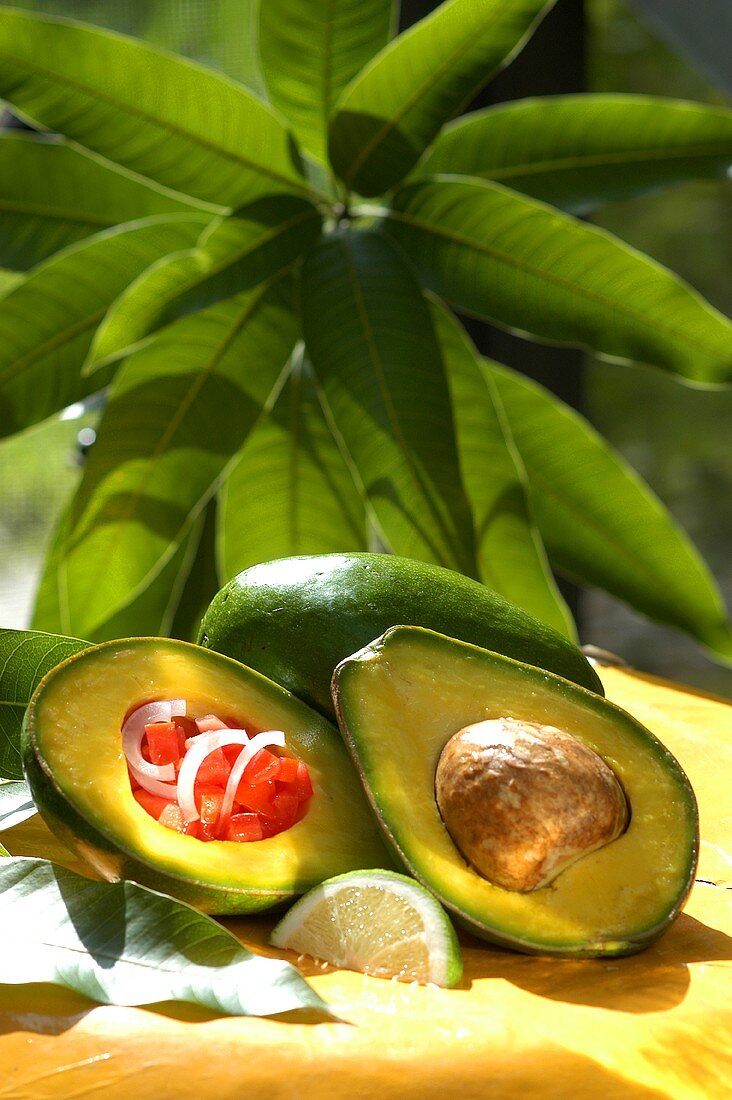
x=295 y=619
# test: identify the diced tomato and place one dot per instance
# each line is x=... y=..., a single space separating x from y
x=286 y=806
x=257 y=797
x=294 y=778
x=271 y=796
x=186 y=725
x=214 y=770
x=209 y=807
x=244 y=827
x=172 y=818
x=263 y=766
x=210 y=722
x=231 y=752
x=283 y=811
x=152 y=802
x=165 y=742
x=288 y=769
x=269 y=828
x=208 y=800
x=303 y=782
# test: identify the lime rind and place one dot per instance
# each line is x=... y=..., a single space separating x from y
x=407 y=933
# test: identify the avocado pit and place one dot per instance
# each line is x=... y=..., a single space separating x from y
x=522 y=801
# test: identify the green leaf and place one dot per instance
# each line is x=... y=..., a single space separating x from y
x=290 y=490
x=370 y=339
x=149 y=611
x=578 y=152
x=4 y=851
x=234 y=254
x=310 y=52
x=47 y=321
x=391 y=111
x=510 y=553
x=16 y=805
x=122 y=944
x=519 y=263
x=9 y=280
x=53 y=194
x=161 y=116
x=202 y=581
x=25 y=658
x=601 y=524
x=177 y=412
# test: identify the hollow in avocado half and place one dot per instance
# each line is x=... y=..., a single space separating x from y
x=568 y=829
x=75 y=764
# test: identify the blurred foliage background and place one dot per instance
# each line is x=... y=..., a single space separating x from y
x=676 y=437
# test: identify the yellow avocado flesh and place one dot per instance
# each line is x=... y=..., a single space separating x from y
x=73 y=728
x=402 y=699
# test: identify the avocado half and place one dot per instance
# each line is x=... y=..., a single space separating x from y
x=75 y=766
x=295 y=618
x=401 y=699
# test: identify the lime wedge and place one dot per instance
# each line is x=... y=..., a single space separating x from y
x=378 y=922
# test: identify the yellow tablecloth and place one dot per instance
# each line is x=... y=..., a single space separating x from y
x=658 y=1024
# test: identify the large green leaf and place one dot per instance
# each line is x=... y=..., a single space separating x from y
x=150 y=609
x=391 y=111
x=601 y=524
x=236 y=253
x=48 y=320
x=519 y=263
x=9 y=280
x=290 y=491
x=120 y=943
x=510 y=554
x=53 y=194
x=16 y=804
x=202 y=581
x=172 y=120
x=373 y=348
x=25 y=658
x=178 y=410
x=580 y=151
x=310 y=52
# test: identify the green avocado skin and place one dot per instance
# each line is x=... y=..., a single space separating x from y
x=295 y=619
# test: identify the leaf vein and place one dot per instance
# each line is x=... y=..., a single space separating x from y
x=600 y=159
x=150 y=117
x=580 y=289
x=430 y=79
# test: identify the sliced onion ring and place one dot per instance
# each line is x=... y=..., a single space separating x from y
x=203 y=744
x=133 y=732
x=154 y=786
x=259 y=741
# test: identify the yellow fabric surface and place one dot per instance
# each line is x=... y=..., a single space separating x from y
x=658 y=1024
